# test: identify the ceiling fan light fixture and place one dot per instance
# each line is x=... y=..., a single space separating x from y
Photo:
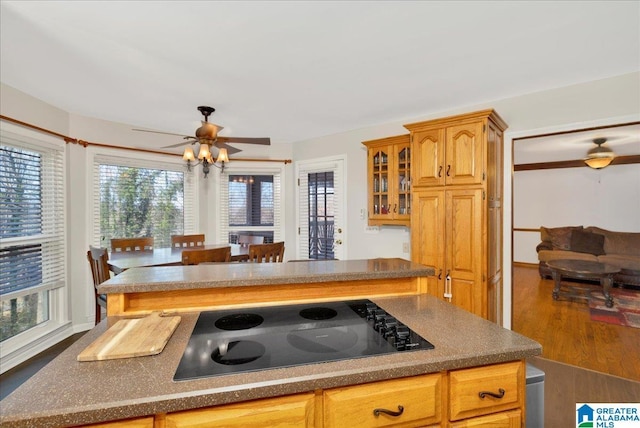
x=599 y=157
x=223 y=156
x=188 y=154
x=204 y=152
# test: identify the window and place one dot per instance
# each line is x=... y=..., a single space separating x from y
x=250 y=206
x=32 y=234
x=141 y=198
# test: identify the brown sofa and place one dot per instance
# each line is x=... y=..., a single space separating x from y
x=621 y=249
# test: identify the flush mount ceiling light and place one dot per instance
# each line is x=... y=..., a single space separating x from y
x=599 y=157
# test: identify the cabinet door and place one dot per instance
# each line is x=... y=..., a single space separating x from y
x=289 y=411
x=427 y=235
x=401 y=209
x=427 y=150
x=379 y=182
x=463 y=250
x=464 y=154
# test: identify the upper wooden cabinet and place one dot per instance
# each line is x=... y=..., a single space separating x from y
x=452 y=150
x=389 y=180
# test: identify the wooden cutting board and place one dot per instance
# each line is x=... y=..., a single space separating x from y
x=132 y=338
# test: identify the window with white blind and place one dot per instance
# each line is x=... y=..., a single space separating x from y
x=139 y=198
x=250 y=205
x=32 y=234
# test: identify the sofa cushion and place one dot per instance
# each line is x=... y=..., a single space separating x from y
x=546 y=255
x=626 y=243
x=560 y=237
x=629 y=263
x=587 y=242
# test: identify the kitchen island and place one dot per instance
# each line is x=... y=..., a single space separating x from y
x=469 y=352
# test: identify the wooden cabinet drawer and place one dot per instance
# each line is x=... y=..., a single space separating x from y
x=289 y=411
x=419 y=396
x=510 y=419
x=127 y=423
x=468 y=388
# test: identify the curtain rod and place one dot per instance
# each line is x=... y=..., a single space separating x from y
x=84 y=143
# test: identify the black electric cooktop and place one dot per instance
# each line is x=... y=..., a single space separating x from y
x=242 y=340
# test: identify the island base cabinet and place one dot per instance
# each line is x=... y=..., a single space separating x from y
x=408 y=402
x=512 y=419
x=289 y=411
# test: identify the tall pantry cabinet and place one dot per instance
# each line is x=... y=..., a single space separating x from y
x=456 y=217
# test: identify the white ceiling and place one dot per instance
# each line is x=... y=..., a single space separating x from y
x=295 y=70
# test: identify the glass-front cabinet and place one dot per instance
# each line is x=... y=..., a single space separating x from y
x=389 y=185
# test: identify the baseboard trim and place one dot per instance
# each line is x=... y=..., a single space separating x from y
x=525 y=264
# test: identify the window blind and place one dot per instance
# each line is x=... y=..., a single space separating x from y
x=32 y=216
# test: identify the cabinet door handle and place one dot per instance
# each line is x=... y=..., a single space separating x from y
x=448 y=170
x=376 y=412
x=395 y=208
x=500 y=394
x=440 y=171
x=440 y=274
x=447 y=287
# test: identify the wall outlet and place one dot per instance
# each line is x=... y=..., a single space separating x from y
x=371 y=229
x=406 y=248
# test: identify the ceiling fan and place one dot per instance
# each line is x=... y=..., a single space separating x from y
x=207 y=136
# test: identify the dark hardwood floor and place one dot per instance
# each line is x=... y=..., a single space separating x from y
x=566 y=332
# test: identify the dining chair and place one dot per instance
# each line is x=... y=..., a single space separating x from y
x=267 y=253
x=246 y=240
x=187 y=241
x=132 y=244
x=211 y=255
x=98 y=260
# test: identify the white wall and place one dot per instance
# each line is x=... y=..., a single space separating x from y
x=608 y=198
x=563 y=108
x=606 y=101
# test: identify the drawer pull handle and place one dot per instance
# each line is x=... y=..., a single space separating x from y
x=376 y=412
x=483 y=394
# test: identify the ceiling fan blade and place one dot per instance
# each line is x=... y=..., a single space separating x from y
x=159 y=132
x=245 y=140
x=230 y=150
x=180 y=144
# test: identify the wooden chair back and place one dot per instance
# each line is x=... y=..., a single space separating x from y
x=212 y=255
x=187 y=241
x=132 y=244
x=246 y=240
x=98 y=261
x=267 y=253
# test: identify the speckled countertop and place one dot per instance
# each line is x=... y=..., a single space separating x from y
x=250 y=274
x=67 y=392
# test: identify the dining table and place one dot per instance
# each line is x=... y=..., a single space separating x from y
x=123 y=260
